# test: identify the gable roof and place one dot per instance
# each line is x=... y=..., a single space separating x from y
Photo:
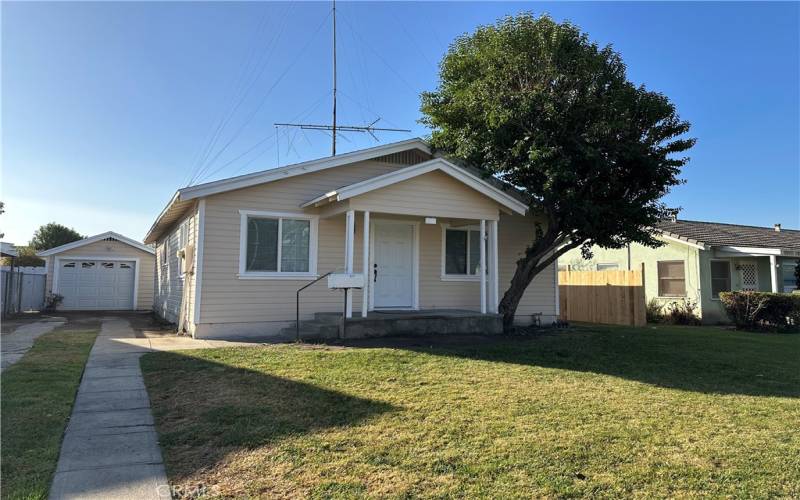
x=403 y=174
x=92 y=239
x=719 y=234
x=180 y=200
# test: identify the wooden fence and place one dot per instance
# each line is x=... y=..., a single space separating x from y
x=611 y=297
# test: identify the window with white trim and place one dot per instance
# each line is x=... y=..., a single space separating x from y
x=277 y=245
x=462 y=252
x=671 y=278
x=720 y=277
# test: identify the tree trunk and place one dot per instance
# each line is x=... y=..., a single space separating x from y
x=528 y=267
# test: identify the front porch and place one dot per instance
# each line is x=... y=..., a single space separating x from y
x=397 y=323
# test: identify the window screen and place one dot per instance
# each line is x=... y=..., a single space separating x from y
x=789 y=279
x=263 y=237
x=455 y=252
x=295 y=237
x=671 y=279
x=262 y=244
x=720 y=277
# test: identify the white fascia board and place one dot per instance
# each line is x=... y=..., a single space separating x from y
x=750 y=250
x=403 y=174
x=92 y=239
x=247 y=180
x=171 y=202
x=698 y=245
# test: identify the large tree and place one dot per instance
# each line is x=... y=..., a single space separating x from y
x=52 y=235
x=537 y=104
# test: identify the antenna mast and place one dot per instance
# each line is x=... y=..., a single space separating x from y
x=333 y=128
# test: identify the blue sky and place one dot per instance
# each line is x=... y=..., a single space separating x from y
x=106 y=107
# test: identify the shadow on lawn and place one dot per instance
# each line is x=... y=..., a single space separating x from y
x=706 y=360
x=205 y=410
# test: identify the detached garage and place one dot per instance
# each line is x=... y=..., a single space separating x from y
x=106 y=272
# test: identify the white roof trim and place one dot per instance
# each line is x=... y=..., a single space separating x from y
x=403 y=174
x=751 y=250
x=673 y=239
x=247 y=180
x=92 y=239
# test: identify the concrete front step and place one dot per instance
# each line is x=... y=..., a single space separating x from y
x=313 y=329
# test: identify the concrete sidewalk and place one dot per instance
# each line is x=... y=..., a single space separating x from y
x=110 y=447
x=14 y=345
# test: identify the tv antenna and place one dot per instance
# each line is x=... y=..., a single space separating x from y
x=334 y=128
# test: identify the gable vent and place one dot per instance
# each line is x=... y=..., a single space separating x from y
x=409 y=157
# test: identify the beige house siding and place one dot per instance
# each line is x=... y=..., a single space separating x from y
x=434 y=193
x=235 y=306
x=115 y=250
x=169 y=283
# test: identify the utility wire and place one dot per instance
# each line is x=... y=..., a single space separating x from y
x=270 y=50
x=240 y=89
x=264 y=98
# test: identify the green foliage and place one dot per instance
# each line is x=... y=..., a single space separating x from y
x=682 y=313
x=654 y=311
x=538 y=104
x=52 y=235
x=38 y=393
x=761 y=310
x=26 y=256
x=797 y=274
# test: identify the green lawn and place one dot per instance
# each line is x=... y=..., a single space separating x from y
x=37 y=396
x=596 y=412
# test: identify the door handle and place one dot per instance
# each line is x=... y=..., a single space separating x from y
x=375 y=273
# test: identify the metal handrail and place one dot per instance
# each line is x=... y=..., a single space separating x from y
x=297 y=303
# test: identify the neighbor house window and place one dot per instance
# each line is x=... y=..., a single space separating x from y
x=277 y=245
x=671 y=278
x=720 y=277
x=462 y=252
x=607 y=267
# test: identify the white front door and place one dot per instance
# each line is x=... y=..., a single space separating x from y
x=393 y=265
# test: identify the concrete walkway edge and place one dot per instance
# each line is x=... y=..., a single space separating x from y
x=110 y=448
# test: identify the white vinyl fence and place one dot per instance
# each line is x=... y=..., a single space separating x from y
x=22 y=289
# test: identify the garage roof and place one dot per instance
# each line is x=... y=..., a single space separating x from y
x=108 y=235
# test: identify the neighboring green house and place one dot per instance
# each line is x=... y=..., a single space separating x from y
x=700 y=259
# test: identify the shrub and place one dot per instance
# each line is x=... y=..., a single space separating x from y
x=682 y=313
x=655 y=311
x=51 y=301
x=761 y=310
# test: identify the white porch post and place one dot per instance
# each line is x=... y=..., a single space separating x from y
x=494 y=268
x=483 y=266
x=773 y=272
x=365 y=266
x=350 y=219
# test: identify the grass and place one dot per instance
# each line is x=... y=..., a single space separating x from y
x=37 y=396
x=597 y=412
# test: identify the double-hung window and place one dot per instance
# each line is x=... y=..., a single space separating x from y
x=671 y=278
x=277 y=245
x=720 y=277
x=461 y=253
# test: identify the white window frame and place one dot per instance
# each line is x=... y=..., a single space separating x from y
x=685 y=284
x=277 y=275
x=163 y=251
x=598 y=264
x=731 y=268
x=183 y=240
x=458 y=277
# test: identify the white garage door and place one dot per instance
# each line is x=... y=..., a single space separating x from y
x=96 y=284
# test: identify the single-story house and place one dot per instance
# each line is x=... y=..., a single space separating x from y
x=232 y=254
x=701 y=259
x=105 y=272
